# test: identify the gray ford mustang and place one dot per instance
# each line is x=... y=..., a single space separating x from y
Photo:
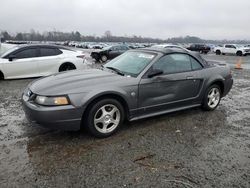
x=138 y=84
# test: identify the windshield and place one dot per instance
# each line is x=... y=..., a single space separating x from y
x=131 y=63
x=239 y=46
x=4 y=50
x=107 y=47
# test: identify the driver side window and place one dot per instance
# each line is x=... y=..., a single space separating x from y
x=26 y=53
x=173 y=63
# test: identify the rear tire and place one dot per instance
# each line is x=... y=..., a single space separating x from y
x=218 y=52
x=239 y=53
x=67 y=67
x=212 y=98
x=104 y=118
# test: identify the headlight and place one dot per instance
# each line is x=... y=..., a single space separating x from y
x=52 y=101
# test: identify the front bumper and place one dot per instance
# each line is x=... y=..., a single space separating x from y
x=95 y=56
x=57 y=117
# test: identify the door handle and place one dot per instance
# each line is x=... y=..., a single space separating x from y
x=189 y=77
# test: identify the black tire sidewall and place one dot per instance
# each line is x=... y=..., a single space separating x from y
x=62 y=67
x=92 y=111
x=239 y=53
x=205 y=99
x=218 y=52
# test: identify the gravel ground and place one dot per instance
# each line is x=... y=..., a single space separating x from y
x=190 y=148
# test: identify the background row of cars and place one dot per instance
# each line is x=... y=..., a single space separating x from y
x=31 y=60
x=112 y=51
x=199 y=47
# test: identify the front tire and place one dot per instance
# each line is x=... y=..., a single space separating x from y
x=212 y=98
x=104 y=58
x=104 y=118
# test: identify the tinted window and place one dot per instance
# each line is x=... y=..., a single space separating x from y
x=115 y=48
x=49 y=51
x=174 y=63
x=230 y=46
x=27 y=53
x=124 y=48
x=195 y=64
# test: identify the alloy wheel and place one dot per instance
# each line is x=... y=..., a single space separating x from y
x=213 y=97
x=107 y=118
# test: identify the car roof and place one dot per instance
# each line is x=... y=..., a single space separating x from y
x=166 y=51
x=163 y=50
x=23 y=46
x=42 y=45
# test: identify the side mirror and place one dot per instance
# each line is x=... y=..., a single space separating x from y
x=11 y=57
x=155 y=72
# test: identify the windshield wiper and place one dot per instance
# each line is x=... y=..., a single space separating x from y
x=116 y=70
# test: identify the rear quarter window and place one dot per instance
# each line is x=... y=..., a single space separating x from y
x=195 y=64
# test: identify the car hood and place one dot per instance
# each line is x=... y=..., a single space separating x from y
x=75 y=82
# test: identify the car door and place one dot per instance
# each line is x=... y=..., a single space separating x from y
x=114 y=52
x=48 y=60
x=227 y=49
x=176 y=87
x=233 y=49
x=230 y=49
x=23 y=63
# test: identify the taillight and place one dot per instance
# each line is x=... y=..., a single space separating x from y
x=81 y=56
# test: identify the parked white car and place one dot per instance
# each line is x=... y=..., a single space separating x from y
x=232 y=49
x=26 y=61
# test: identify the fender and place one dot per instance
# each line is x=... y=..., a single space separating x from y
x=87 y=99
x=217 y=78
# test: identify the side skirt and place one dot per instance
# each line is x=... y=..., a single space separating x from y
x=164 y=112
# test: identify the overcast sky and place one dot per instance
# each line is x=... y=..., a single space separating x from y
x=208 y=19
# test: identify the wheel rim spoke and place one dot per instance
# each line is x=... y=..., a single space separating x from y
x=107 y=118
x=113 y=111
x=105 y=126
x=99 y=120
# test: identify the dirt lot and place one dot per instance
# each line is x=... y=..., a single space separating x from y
x=191 y=148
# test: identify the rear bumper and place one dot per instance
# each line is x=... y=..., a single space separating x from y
x=59 y=117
